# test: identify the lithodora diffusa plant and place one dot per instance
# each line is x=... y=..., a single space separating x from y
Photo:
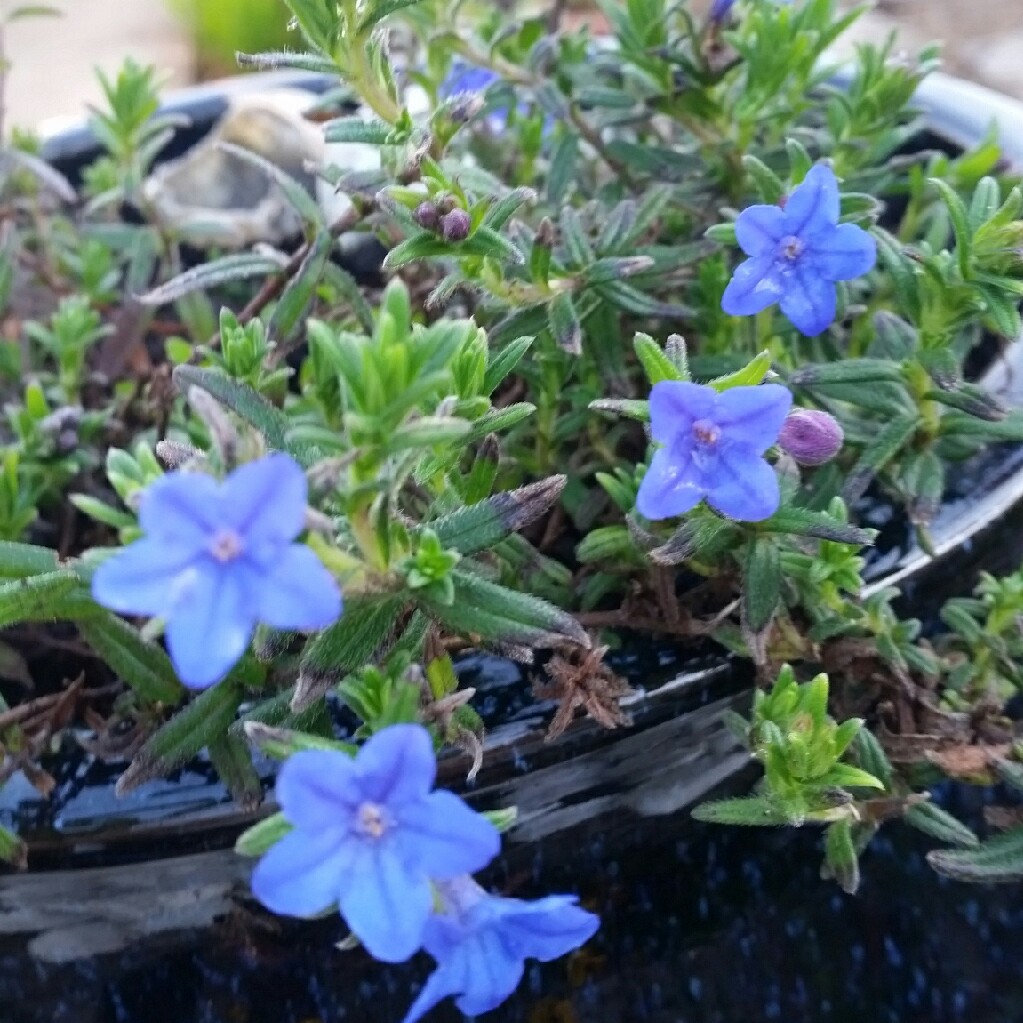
x=668 y=319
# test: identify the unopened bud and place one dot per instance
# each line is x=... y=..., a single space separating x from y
x=454 y=226
x=811 y=437
x=426 y=215
x=445 y=204
x=545 y=234
x=465 y=107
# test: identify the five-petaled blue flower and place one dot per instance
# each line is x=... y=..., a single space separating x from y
x=797 y=252
x=481 y=943
x=713 y=448
x=218 y=558
x=370 y=836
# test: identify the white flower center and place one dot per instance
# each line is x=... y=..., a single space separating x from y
x=791 y=248
x=226 y=546
x=372 y=820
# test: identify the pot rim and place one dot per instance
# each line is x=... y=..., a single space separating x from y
x=941 y=100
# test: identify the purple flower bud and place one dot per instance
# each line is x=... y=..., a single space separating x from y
x=811 y=436
x=426 y=215
x=720 y=10
x=454 y=226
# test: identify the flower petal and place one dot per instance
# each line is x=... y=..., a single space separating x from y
x=809 y=302
x=753 y=416
x=493 y=973
x=758 y=229
x=670 y=487
x=547 y=928
x=147 y=577
x=675 y=405
x=386 y=905
x=265 y=500
x=813 y=205
x=181 y=508
x=447 y=979
x=298 y=592
x=844 y=253
x=208 y=632
x=445 y=837
x=319 y=789
x=746 y=487
x=301 y=874
x=397 y=765
x=754 y=286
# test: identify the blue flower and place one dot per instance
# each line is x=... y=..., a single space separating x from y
x=796 y=253
x=713 y=447
x=720 y=10
x=481 y=943
x=218 y=558
x=369 y=836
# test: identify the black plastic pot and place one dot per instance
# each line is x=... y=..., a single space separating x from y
x=142 y=880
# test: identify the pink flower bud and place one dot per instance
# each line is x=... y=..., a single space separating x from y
x=426 y=215
x=454 y=226
x=810 y=436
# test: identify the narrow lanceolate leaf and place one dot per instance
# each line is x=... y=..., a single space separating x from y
x=507 y=206
x=655 y=361
x=884 y=448
x=143 y=666
x=872 y=757
x=563 y=321
x=35 y=598
x=237 y=267
x=479 y=526
x=233 y=764
x=840 y=858
x=492 y=612
x=280 y=743
x=306 y=206
x=848 y=371
x=355 y=129
x=297 y=296
x=761 y=583
x=940 y=824
x=746 y=811
x=203 y=721
x=360 y=635
x=819 y=525
x=12 y=849
x=379 y=10
x=273 y=60
x=19 y=560
x=997 y=861
x=240 y=399
x=260 y=837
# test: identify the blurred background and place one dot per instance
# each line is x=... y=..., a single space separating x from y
x=53 y=58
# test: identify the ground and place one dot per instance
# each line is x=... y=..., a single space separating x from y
x=53 y=59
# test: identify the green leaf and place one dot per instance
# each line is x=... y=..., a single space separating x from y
x=655 y=361
x=939 y=824
x=761 y=588
x=499 y=365
x=281 y=743
x=260 y=837
x=768 y=185
x=233 y=764
x=240 y=399
x=750 y=375
x=379 y=10
x=36 y=598
x=237 y=267
x=480 y=526
x=845 y=776
x=201 y=722
x=564 y=325
x=494 y=612
x=887 y=444
x=19 y=560
x=318 y=21
x=355 y=129
x=143 y=666
x=295 y=300
x=507 y=206
x=871 y=756
x=562 y=170
x=840 y=857
x=997 y=861
x=745 y=811
x=12 y=849
x=820 y=525
x=960 y=225
x=847 y=371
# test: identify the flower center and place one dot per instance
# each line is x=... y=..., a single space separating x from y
x=372 y=820
x=226 y=545
x=791 y=248
x=706 y=432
